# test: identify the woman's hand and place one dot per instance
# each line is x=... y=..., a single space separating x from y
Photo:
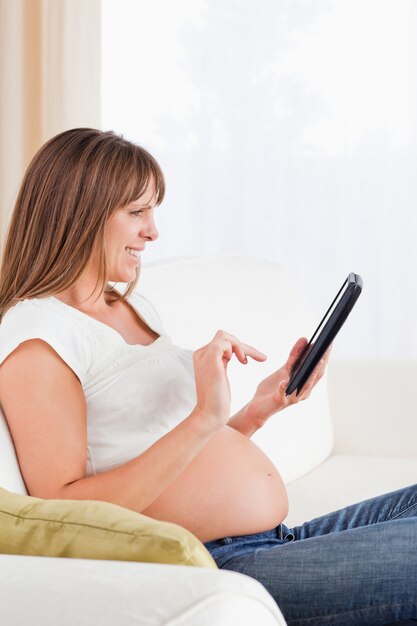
x=212 y=383
x=270 y=394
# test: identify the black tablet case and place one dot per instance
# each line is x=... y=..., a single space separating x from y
x=313 y=352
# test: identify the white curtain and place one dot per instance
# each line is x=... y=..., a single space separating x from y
x=287 y=130
x=49 y=80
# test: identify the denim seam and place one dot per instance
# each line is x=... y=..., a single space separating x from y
x=403 y=511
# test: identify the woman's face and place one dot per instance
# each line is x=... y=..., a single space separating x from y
x=128 y=230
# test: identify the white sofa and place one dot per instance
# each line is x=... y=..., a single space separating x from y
x=354 y=438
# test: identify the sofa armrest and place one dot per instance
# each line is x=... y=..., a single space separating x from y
x=373 y=403
x=44 y=591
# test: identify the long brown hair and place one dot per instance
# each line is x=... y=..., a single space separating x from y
x=71 y=188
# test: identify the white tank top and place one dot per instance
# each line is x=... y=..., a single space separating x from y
x=135 y=394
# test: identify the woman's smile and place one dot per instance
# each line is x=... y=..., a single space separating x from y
x=133 y=253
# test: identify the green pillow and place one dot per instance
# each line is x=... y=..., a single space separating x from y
x=89 y=529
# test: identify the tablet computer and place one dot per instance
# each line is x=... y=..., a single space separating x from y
x=328 y=328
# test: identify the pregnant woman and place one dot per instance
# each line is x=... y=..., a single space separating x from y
x=102 y=405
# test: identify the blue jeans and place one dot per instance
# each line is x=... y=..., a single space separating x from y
x=354 y=566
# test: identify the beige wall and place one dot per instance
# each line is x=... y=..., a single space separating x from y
x=49 y=80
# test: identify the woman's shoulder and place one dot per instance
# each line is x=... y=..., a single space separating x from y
x=30 y=311
x=42 y=318
x=36 y=313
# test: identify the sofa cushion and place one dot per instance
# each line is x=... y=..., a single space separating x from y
x=41 y=591
x=344 y=479
x=93 y=530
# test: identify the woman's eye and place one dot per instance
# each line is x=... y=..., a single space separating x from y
x=137 y=212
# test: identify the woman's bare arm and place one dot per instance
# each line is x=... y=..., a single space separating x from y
x=46 y=411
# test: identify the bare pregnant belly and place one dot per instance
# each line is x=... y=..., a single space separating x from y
x=230 y=488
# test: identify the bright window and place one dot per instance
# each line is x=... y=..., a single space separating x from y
x=286 y=130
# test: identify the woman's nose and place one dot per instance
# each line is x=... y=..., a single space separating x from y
x=151 y=231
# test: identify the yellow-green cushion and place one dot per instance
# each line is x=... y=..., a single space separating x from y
x=87 y=529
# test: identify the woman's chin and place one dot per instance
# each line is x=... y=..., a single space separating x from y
x=127 y=276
